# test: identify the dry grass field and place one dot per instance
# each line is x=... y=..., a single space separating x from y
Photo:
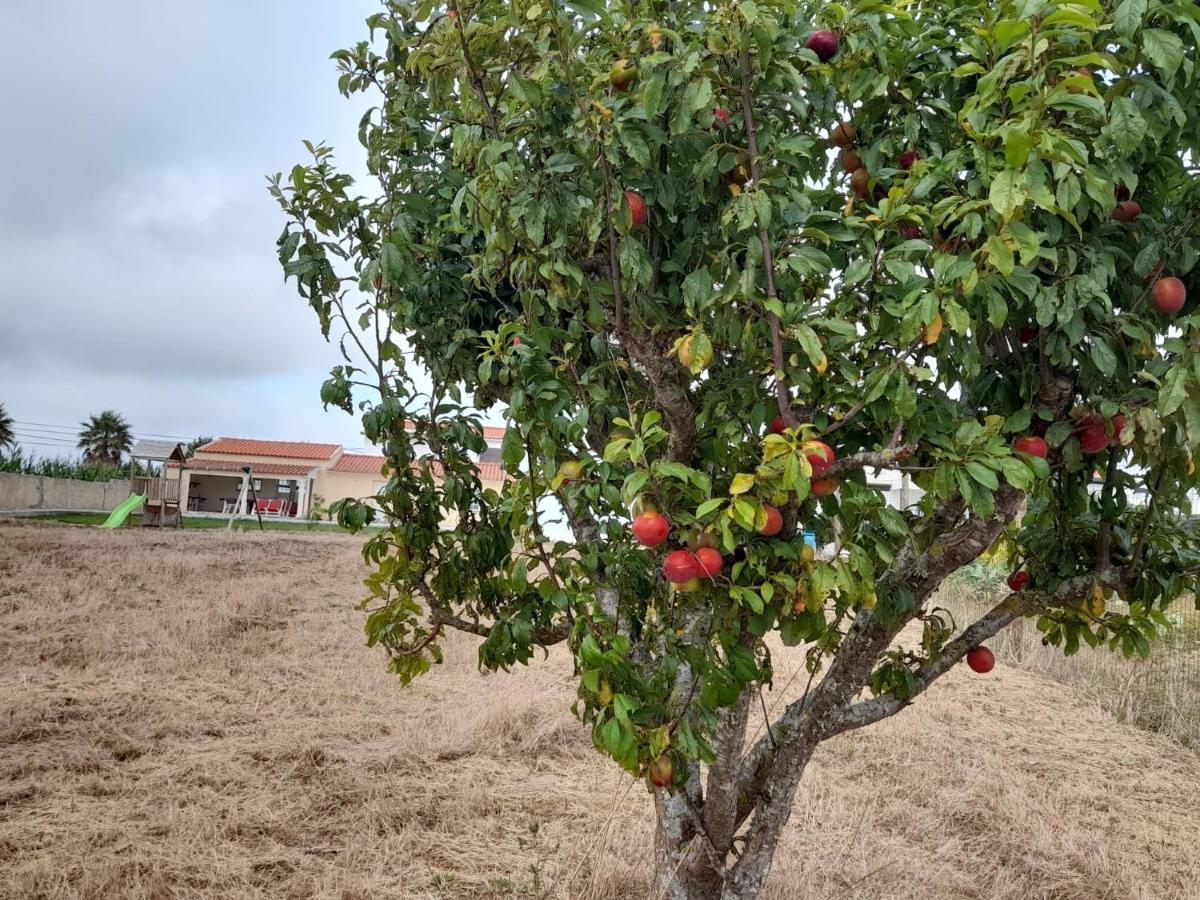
x=195 y=715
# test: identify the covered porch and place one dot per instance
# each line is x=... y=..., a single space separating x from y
x=223 y=487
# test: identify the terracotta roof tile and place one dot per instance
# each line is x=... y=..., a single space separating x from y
x=490 y=432
x=289 y=449
x=198 y=465
x=360 y=464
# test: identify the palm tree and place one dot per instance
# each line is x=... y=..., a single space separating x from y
x=195 y=444
x=105 y=438
x=8 y=440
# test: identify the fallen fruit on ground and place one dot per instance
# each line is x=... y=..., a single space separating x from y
x=981 y=660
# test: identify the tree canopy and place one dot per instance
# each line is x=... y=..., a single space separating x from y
x=105 y=438
x=704 y=266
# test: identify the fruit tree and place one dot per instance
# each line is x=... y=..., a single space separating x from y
x=632 y=230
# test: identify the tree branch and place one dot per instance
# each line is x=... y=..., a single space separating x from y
x=768 y=259
x=1008 y=610
x=882 y=459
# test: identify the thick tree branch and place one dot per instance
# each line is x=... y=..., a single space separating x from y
x=882 y=459
x=1007 y=611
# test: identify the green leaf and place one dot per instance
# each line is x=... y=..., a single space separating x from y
x=1103 y=356
x=1126 y=126
x=1164 y=49
x=1005 y=194
x=1127 y=18
x=982 y=474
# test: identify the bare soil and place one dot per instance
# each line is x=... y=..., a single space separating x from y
x=194 y=714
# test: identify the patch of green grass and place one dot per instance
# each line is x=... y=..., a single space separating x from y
x=194 y=522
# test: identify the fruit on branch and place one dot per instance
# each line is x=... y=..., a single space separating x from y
x=1127 y=211
x=661 y=771
x=568 y=471
x=721 y=116
x=1033 y=445
x=650 y=529
x=911 y=232
x=622 y=74
x=820 y=456
x=843 y=134
x=1169 y=295
x=908 y=158
x=709 y=560
x=1118 y=426
x=1017 y=580
x=824 y=44
x=637 y=208
x=851 y=161
x=776 y=426
x=680 y=566
x=981 y=660
x=860 y=181
x=824 y=487
x=1092 y=432
x=774 y=523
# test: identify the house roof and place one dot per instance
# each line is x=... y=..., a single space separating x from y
x=157 y=451
x=289 y=470
x=487 y=471
x=490 y=432
x=288 y=449
x=361 y=464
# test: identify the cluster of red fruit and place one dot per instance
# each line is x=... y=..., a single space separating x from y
x=820 y=457
x=843 y=135
x=686 y=567
x=1095 y=433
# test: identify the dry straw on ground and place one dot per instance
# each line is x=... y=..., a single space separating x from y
x=195 y=715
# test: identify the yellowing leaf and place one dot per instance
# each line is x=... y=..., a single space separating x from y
x=742 y=482
x=822 y=365
x=933 y=330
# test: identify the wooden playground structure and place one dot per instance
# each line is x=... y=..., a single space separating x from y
x=161 y=505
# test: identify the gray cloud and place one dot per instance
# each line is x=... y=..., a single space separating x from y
x=136 y=235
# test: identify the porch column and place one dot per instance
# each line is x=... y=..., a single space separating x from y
x=301 y=497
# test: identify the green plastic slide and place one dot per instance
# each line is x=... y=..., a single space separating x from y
x=121 y=513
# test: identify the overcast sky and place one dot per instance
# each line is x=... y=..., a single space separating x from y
x=137 y=266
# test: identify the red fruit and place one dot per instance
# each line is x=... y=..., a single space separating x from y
x=709 y=561
x=650 y=529
x=1018 y=580
x=1127 y=211
x=851 y=161
x=774 y=523
x=722 y=117
x=860 y=182
x=1092 y=432
x=637 y=208
x=661 y=771
x=823 y=487
x=911 y=232
x=777 y=425
x=1118 y=425
x=1027 y=334
x=824 y=44
x=820 y=456
x=1034 y=446
x=517 y=341
x=680 y=566
x=981 y=660
x=843 y=134
x=907 y=158
x=1169 y=295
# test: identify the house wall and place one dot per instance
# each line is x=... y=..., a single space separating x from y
x=40 y=492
